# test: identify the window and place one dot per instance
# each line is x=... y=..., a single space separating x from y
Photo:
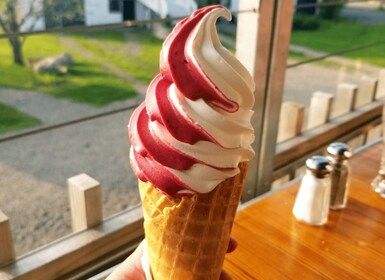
x=114 y=5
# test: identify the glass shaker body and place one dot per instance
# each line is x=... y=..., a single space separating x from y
x=312 y=202
x=339 y=185
x=378 y=183
x=338 y=155
x=313 y=199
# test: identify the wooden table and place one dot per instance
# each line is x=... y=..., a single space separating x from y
x=274 y=245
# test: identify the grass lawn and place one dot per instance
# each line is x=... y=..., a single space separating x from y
x=300 y=56
x=340 y=35
x=135 y=51
x=86 y=81
x=11 y=119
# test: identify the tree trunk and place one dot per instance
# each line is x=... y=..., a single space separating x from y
x=17 y=50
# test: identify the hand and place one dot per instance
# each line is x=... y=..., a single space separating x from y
x=132 y=269
x=231 y=248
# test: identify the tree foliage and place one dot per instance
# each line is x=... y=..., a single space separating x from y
x=11 y=22
x=331 y=11
x=15 y=18
x=59 y=13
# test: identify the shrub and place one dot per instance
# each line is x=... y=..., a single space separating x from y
x=331 y=11
x=305 y=22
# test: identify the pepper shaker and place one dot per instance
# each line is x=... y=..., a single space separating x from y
x=312 y=202
x=338 y=154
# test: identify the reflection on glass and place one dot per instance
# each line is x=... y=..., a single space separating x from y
x=378 y=184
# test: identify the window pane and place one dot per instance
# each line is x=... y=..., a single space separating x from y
x=114 y=6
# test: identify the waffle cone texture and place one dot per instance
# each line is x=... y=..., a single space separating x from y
x=187 y=238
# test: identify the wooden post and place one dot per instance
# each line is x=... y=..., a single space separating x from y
x=300 y=171
x=344 y=100
x=366 y=91
x=381 y=85
x=373 y=134
x=320 y=108
x=7 y=251
x=254 y=31
x=290 y=121
x=378 y=131
x=357 y=142
x=262 y=45
x=280 y=181
x=85 y=201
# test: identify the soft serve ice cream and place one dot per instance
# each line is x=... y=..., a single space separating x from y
x=190 y=149
x=193 y=129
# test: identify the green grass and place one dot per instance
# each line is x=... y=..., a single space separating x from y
x=11 y=119
x=136 y=52
x=86 y=81
x=341 y=35
x=298 y=55
x=116 y=36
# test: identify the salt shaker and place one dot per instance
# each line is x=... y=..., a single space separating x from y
x=338 y=154
x=312 y=202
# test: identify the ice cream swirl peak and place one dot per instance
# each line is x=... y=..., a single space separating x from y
x=194 y=127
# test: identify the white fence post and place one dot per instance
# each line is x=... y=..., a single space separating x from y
x=320 y=108
x=366 y=91
x=7 y=251
x=85 y=201
x=344 y=100
x=290 y=121
x=381 y=85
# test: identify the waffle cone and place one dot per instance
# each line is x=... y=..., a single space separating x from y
x=187 y=238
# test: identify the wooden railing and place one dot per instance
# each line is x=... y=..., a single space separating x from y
x=95 y=244
x=352 y=115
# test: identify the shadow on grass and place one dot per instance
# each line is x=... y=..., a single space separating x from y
x=82 y=69
x=11 y=119
x=97 y=94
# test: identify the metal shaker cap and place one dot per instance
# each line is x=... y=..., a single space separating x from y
x=339 y=151
x=319 y=166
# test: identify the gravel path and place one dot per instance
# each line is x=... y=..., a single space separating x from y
x=321 y=78
x=367 y=16
x=50 y=110
x=367 y=12
x=34 y=170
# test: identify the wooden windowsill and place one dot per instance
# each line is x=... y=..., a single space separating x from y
x=274 y=245
x=85 y=252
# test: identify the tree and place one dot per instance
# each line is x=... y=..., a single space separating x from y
x=11 y=21
x=59 y=13
x=56 y=13
x=331 y=11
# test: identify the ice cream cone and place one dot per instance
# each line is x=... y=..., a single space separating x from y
x=188 y=237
